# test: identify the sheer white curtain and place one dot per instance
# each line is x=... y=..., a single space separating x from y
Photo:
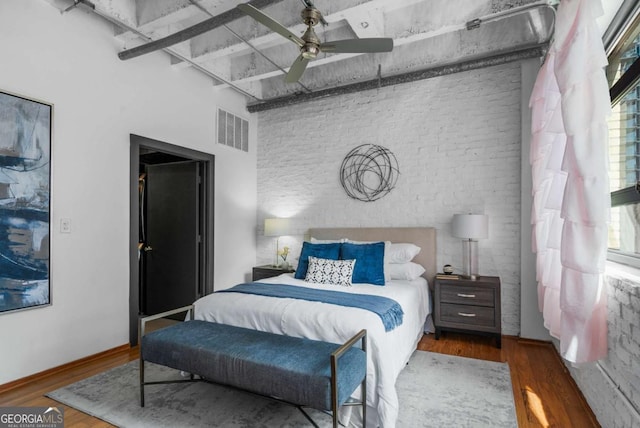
x=571 y=200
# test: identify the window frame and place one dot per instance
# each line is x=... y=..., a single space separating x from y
x=631 y=194
x=625 y=83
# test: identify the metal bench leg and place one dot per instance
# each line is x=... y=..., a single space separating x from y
x=362 y=337
x=364 y=400
x=141 y=332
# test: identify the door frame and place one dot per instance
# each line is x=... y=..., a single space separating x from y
x=136 y=142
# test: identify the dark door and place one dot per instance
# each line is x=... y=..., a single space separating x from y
x=171 y=272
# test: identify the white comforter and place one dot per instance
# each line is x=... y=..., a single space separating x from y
x=388 y=351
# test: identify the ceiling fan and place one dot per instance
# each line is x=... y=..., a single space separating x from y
x=309 y=44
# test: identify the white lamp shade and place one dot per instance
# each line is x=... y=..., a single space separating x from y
x=276 y=227
x=470 y=226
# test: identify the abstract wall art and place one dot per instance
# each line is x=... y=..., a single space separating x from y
x=368 y=172
x=25 y=181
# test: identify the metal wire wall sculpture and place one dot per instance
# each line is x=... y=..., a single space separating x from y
x=369 y=172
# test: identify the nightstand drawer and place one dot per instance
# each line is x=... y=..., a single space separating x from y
x=471 y=306
x=466 y=314
x=467 y=295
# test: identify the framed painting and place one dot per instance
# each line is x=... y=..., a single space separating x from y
x=25 y=182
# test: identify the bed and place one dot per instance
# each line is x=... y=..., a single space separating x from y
x=389 y=351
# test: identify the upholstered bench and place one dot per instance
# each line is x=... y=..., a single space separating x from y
x=301 y=372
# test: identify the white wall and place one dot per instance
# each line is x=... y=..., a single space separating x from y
x=457 y=141
x=531 y=320
x=70 y=61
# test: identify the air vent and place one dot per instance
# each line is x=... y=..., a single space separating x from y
x=233 y=131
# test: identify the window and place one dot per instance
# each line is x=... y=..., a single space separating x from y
x=623 y=75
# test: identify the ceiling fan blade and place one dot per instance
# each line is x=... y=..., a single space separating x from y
x=376 y=44
x=269 y=22
x=296 y=70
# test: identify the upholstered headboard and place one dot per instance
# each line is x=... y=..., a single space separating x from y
x=423 y=237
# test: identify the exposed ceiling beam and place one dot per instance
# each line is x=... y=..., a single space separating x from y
x=174 y=53
x=196 y=30
x=219 y=40
x=248 y=69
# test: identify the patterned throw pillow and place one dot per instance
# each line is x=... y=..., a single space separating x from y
x=326 y=271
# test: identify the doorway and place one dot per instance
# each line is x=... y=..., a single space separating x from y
x=171 y=228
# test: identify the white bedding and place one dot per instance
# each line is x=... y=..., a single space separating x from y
x=388 y=351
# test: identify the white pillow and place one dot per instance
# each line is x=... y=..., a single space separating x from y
x=402 y=253
x=327 y=271
x=386 y=261
x=327 y=241
x=408 y=271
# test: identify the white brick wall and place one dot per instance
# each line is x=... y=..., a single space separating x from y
x=606 y=397
x=457 y=141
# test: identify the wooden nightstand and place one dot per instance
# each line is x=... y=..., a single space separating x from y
x=468 y=306
x=267 y=271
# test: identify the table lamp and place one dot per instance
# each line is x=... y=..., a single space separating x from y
x=470 y=227
x=276 y=227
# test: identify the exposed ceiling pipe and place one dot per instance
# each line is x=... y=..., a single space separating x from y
x=487 y=61
x=475 y=23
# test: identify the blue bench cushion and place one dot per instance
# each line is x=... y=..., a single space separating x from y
x=290 y=368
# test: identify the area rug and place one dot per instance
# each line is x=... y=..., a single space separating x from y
x=435 y=390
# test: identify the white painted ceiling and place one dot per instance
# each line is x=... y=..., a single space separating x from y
x=247 y=56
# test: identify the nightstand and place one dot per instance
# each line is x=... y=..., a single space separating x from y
x=267 y=271
x=468 y=306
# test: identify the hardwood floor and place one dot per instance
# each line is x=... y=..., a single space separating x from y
x=544 y=393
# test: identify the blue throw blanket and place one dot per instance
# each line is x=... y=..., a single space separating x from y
x=387 y=309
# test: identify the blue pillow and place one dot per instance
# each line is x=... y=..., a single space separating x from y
x=322 y=251
x=369 y=267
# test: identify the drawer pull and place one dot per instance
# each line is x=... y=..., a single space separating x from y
x=468 y=296
x=462 y=314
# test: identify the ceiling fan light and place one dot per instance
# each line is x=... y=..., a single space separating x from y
x=310 y=51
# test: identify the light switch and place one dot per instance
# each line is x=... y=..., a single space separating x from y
x=65 y=225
